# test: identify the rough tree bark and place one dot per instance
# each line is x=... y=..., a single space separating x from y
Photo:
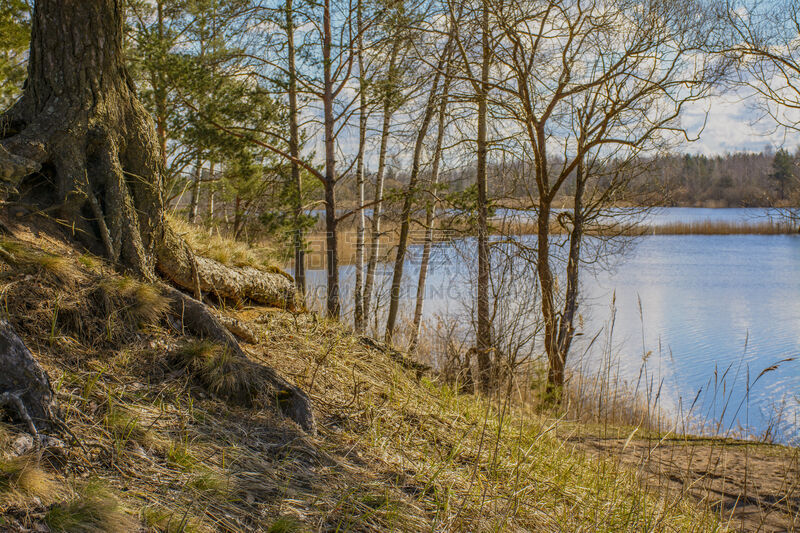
x=80 y=141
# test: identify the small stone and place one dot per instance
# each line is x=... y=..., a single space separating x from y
x=22 y=444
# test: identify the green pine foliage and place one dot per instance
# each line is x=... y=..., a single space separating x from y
x=14 y=40
x=197 y=72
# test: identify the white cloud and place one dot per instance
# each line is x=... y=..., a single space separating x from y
x=734 y=123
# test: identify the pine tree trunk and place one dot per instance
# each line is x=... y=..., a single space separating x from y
x=294 y=151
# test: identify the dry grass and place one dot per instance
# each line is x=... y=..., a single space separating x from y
x=93 y=509
x=22 y=478
x=37 y=262
x=220 y=371
x=221 y=248
x=142 y=303
x=393 y=452
x=74 y=300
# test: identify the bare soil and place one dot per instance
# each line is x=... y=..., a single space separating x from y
x=753 y=487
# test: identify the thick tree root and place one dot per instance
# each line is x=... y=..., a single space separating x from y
x=14 y=168
x=24 y=385
x=177 y=262
x=197 y=318
x=14 y=400
x=240 y=329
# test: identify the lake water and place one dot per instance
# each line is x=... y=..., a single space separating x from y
x=703 y=306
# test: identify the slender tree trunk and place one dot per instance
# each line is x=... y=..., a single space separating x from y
x=555 y=375
x=195 y=200
x=237 y=216
x=331 y=241
x=430 y=220
x=408 y=203
x=377 y=210
x=359 y=318
x=160 y=89
x=483 y=339
x=566 y=330
x=210 y=204
x=294 y=151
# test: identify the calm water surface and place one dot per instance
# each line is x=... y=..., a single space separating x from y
x=700 y=305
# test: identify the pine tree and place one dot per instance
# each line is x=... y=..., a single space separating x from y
x=783 y=166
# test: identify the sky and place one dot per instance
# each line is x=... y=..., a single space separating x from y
x=735 y=124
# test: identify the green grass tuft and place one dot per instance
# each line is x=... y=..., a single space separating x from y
x=139 y=303
x=94 y=509
x=22 y=477
x=221 y=372
x=285 y=524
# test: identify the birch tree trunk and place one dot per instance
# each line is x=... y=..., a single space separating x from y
x=408 y=201
x=358 y=292
x=430 y=219
x=377 y=213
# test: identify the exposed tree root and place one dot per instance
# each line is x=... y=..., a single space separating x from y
x=14 y=168
x=240 y=329
x=177 y=262
x=14 y=400
x=198 y=319
x=24 y=385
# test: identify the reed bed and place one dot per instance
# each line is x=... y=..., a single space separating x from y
x=757 y=227
x=611 y=228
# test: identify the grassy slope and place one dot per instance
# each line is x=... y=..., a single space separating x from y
x=159 y=451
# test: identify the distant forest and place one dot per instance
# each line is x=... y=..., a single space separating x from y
x=742 y=179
